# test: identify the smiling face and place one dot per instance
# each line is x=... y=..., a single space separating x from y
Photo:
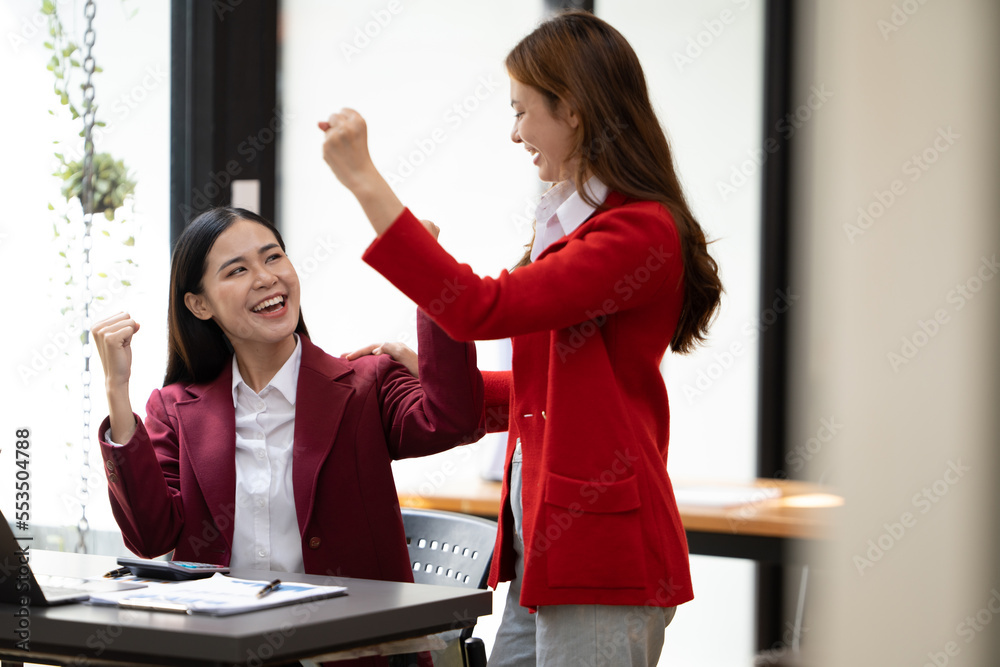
x=549 y=136
x=249 y=288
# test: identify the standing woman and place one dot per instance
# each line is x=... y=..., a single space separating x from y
x=261 y=451
x=618 y=271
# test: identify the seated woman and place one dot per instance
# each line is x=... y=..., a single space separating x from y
x=261 y=451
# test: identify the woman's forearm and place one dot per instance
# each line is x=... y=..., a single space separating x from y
x=378 y=201
x=120 y=413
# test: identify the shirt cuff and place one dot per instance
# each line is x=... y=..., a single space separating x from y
x=107 y=439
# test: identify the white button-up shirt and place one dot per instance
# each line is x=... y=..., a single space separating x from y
x=266 y=529
x=562 y=210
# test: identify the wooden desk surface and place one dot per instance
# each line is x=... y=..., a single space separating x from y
x=802 y=510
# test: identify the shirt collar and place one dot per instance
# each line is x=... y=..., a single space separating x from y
x=285 y=381
x=562 y=210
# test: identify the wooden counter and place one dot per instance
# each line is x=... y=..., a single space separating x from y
x=762 y=528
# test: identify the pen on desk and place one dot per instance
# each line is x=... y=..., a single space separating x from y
x=120 y=572
x=268 y=588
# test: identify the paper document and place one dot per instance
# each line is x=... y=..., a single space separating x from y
x=218 y=595
x=724 y=496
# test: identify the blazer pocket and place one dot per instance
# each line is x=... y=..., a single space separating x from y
x=592 y=533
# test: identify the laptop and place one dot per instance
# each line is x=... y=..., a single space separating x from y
x=18 y=581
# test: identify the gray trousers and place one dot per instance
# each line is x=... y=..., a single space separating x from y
x=589 y=635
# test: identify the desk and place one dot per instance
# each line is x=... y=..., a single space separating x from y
x=764 y=529
x=372 y=612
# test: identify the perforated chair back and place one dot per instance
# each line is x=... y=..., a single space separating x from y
x=449 y=549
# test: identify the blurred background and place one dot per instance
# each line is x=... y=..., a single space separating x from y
x=843 y=156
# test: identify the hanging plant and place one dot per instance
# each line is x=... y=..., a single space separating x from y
x=114 y=186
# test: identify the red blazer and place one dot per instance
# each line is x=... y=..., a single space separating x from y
x=590 y=321
x=173 y=485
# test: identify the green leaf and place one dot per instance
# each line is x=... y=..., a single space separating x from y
x=64 y=99
x=48 y=7
x=62 y=254
x=130 y=241
x=106 y=232
x=51 y=207
x=109 y=213
x=102 y=275
x=126 y=283
x=48 y=45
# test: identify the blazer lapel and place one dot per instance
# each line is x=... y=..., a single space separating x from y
x=320 y=404
x=207 y=424
x=613 y=200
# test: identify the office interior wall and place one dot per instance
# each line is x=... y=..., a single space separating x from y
x=896 y=243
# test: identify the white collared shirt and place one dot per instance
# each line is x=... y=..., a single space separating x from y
x=266 y=529
x=562 y=210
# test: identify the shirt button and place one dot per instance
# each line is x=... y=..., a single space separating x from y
x=110 y=466
x=260 y=435
x=113 y=478
x=260 y=502
x=260 y=453
x=260 y=405
x=314 y=542
x=262 y=553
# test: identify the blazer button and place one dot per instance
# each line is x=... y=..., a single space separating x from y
x=314 y=542
x=113 y=478
x=110 y=466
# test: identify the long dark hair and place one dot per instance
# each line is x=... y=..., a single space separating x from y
x=580 y=59
x=197 y=350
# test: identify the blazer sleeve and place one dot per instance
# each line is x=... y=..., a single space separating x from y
x=619 y=259
x=497 y=393
x=144 y=482
x=442 y=409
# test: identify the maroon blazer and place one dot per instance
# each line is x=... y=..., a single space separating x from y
x=590 y=321
x=173 y=485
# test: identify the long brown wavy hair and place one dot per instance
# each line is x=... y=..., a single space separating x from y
x=580 y=59
x=198 y=350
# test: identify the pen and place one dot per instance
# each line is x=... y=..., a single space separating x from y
x=120 y=572
x=268 y=588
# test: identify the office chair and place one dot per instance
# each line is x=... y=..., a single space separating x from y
x=451 y=549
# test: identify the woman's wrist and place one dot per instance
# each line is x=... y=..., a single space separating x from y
x=120 y=412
